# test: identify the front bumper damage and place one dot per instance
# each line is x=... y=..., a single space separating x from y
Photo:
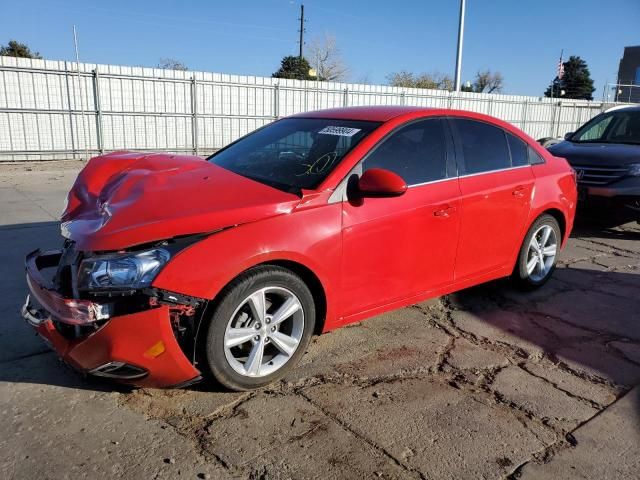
x=138 y=348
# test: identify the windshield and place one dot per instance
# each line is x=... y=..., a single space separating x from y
x=614 y=127
x=293 y=153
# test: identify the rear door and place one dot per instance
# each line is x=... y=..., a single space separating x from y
x=495 y=194
x=397 y=247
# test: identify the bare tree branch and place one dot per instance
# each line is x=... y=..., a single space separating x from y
x=488 y=82
x=324 y=56
x=433 y=80
x=171 y=64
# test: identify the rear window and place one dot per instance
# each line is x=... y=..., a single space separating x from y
x=518 y=149
x=484 y=147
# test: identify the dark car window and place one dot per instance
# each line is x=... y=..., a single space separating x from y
x=620 y=126
x=293 y=153
x=416 y=152
x=484 y=147
x=534 y=157
x=519 y=151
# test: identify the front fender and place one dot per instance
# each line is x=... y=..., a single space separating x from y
x=310 y=237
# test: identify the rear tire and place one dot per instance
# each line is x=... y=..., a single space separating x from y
x=538 y=254
x=260 y=327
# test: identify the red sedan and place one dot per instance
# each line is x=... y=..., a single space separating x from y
x=174 y=267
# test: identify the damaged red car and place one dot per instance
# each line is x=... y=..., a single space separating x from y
x=174 y=267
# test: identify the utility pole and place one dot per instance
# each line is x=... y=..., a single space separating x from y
x=301 y=30
x=460 y=39
x=81 y=91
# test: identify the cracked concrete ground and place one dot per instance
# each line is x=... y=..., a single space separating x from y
x=486 y=383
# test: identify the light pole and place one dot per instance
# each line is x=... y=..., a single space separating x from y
x=460 y=39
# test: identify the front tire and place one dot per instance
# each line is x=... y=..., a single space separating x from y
x=538 y=254
x=259 y=329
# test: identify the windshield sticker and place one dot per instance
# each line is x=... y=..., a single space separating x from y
x=341 y=131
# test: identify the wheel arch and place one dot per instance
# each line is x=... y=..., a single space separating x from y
x=312 y=281
x=560 y=218
x=556 y=213
x=307 y=275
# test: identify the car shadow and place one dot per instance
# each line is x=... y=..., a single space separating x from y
x=590 y=230
x=587 y=320
x=600 y=222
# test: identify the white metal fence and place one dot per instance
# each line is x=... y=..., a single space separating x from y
x=59 y=110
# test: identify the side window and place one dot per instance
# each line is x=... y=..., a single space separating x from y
x=484 y=146
x=534 y=157
x=519 y=151
x=416 y=152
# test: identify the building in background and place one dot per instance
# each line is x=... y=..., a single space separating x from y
x=629 y=76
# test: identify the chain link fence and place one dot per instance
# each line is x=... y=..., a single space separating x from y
x=64 y=110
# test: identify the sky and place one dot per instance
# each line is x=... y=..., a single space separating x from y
x=522 y=39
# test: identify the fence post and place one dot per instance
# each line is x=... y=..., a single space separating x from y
x=276 y=101
x=525 y=109
x=345 y=100
x=557 y=126
x=96 y=102
x=194 y=116
x=306 y=100
x=402 y=99
x=553 y=118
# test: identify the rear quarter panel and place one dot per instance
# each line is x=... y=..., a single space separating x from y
x=555 y=188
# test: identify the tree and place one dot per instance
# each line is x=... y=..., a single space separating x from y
x=434 y=80
x=17 y=49
x=325 y=58
x=296 y=68
x=576 y=82
x=172 y=64
x=485 y=81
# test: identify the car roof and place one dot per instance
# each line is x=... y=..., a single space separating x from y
x=381 y=113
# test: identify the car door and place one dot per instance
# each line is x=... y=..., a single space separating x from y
x=495 y=197
x=397 y=247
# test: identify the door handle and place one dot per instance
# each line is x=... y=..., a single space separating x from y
x=518 y=192
x=444 y=211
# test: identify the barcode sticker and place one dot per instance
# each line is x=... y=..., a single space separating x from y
x=341 y=131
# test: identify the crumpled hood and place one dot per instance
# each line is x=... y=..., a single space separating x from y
x=126 y=198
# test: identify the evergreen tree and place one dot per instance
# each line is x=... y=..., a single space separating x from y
x=296 y=68
x=17 y=49
x=576 y=82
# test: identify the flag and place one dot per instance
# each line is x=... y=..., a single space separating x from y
x=560 y=67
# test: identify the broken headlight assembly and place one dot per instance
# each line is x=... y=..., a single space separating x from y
x=122 y=271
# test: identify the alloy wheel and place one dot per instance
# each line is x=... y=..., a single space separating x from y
x=542 y=252
x=264 y=332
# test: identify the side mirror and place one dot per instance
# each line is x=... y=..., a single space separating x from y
x=378 y=182
x=568 y=135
